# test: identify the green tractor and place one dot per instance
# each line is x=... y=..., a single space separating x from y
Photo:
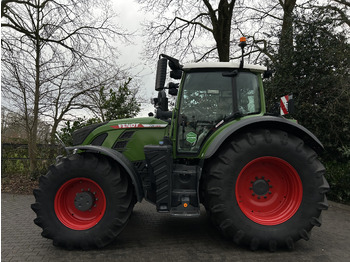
x=256 y=174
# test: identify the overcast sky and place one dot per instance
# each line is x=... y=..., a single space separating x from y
x=130 y=18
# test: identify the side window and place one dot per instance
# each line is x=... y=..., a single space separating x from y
x=248 y=96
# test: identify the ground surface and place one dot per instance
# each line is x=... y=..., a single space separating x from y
x=151 y=236
x=18 y=184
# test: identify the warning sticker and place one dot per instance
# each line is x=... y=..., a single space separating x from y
x=284 y=104
x=191 y=137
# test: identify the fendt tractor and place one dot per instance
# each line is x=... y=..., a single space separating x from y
x=257 y=174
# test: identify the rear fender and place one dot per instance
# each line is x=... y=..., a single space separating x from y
x=268 y=122
x=120 y=159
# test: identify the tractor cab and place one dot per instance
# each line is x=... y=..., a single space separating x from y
x=210 y=95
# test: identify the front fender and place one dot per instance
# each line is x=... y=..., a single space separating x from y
x=120 y=159
x=269 y=122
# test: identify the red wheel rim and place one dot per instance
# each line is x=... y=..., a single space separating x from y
x=80 y=203
x=269 y=191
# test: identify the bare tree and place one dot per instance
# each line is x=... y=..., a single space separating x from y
x=189 y=27
x=69 y=92
x=339 y=9
x=203 y=29
x=49 y=47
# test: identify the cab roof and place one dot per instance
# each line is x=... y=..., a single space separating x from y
x=202 y=65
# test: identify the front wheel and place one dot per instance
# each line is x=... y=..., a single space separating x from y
x=83 y=202
x=265 y=189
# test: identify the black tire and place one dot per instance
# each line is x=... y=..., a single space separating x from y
x=86 y=218
x=259 y=215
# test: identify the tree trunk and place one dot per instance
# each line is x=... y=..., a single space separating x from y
x=285 y=51
x=32 y=155
x=53 y=132
x=222 y=27
x=33 y=132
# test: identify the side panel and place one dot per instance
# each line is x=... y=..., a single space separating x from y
x=280 y=123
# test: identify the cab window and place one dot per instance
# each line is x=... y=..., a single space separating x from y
x=210 y=97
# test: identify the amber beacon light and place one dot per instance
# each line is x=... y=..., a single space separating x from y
x=242 y=44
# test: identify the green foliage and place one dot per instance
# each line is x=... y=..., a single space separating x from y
x=70 y=126
x=318 y=76
x=338 y=177
x=119 y=104
x=320 y=82
x=15 y=161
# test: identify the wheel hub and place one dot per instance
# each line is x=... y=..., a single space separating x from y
x=84 y=201
x=260 y=187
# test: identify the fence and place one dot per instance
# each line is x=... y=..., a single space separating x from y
x=15 y=160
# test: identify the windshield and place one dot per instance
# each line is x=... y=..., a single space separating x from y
x=209 y=98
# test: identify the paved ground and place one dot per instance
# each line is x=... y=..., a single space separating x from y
x=158 y=237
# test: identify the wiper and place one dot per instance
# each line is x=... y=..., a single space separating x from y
x=230 y=74
x=233 y=116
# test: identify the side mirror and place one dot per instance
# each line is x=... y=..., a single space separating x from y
x=161 y=74
x=174 y=64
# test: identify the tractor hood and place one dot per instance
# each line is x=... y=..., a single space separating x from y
x=127 y=136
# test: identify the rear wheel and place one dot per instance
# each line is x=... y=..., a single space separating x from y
x=265 y=189
x=83 y=202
